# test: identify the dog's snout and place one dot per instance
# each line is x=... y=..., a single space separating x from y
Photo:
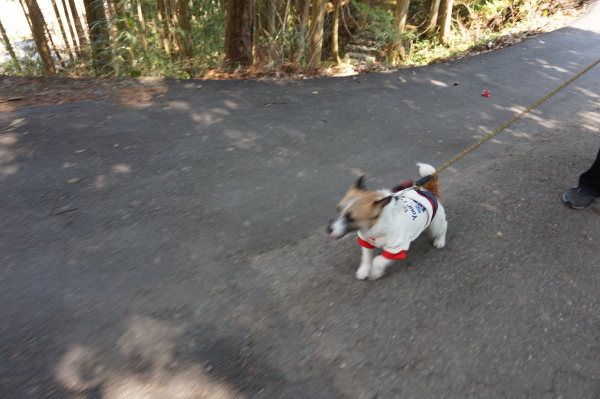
x=330 y=226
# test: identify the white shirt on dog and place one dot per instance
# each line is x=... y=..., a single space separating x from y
x=400 y=222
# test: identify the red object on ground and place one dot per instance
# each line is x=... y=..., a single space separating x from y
x=486 y=93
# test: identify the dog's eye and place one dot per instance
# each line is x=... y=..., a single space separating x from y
x=349 y=219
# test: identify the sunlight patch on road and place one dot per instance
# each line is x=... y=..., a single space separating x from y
x=147 y=368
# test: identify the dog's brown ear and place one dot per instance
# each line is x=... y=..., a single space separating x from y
x=379 y=204
x=360 y=183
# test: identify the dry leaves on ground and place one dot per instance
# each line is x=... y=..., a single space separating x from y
x=19 y=92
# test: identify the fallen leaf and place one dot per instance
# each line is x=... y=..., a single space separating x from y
x=71 y=181
x=315 y=92
x=456 y=83
x=115 y=145
x=80 y=151
x=499 y=234
x=486 y=94
x=199 y=87
x=402 y=79
x=14 y=122
x=414 y=73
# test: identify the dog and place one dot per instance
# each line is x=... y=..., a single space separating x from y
x=390 y=220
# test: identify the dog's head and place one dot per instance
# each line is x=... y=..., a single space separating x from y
x=359 y=209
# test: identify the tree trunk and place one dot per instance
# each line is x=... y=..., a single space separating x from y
x=143 y=27
x=335 y=51
x=316 y=33
x=402 y=14
x=9 y=48
x=172 y=12
x=60 y=60
x=298 y=45
x=112 y=23
x=267 y=16
x=238 y=32
x=433 y=17
x=302 y=8
x=78 y=27
x=96 y=21
x=78 y=52
x=37 y=23
x=186 y=50
x=62 y=29
x=163 y=21
x=445 y=21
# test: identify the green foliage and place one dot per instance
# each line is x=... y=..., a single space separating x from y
x=474 y=22
x=381 y=22
x=30 y=62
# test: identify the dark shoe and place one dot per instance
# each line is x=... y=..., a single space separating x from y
x=578 y=198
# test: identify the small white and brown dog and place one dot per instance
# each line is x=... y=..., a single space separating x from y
x=390 y=220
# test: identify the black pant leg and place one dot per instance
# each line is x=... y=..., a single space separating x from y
x=590 y=179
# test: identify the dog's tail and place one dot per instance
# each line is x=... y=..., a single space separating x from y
x=433 y=185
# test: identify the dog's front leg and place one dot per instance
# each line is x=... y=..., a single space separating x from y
x=365 y=263
x=380 y=263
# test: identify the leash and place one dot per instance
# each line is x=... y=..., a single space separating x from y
x=425 y=179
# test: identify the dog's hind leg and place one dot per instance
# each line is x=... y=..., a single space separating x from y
x=438 y=228
x=365 y=263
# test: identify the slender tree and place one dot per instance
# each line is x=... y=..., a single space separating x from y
x=335 y=52
x=238 y=32
x=37 y=23
x=433 y=17
x=77 y=48
x=96 y=21
x=186 y=50
x=267 y=18
x=402 y=14
x=112 y=20
x=62 y=29
x=316 y=33
x=445 y=20
x=174 y=22
x=142 y=26
x=300 y=21
x=58 y=57
x=9 y=47
x=78 y=27
x=163 y=23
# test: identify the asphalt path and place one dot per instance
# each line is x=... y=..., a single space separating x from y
x=191 y=261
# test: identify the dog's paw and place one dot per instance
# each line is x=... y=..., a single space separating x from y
x=378 y=269
x=362 y=272
x=375 y=274
x=439 y=242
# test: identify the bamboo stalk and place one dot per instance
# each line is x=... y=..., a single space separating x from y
x=143 y=26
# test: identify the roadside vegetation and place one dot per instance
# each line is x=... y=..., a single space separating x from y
x=275 y=38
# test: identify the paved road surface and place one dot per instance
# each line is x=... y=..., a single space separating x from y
x=190 y=261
